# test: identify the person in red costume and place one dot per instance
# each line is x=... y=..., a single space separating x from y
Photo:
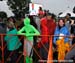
x=47 y=28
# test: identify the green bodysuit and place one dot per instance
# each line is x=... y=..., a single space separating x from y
x=28 y=30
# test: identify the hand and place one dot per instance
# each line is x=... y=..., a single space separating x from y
x=71 y=36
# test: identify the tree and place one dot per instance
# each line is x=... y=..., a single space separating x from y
x=74 y=9
x=3 y=14
x=19 y=7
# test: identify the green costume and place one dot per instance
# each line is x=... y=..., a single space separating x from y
x=29 y=30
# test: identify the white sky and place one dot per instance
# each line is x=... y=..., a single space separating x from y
x=55 y=6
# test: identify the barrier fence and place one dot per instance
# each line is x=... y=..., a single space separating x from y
x=3 y=47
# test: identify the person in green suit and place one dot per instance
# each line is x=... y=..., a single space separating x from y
x=29 y=31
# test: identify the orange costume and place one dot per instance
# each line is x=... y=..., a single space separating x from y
x=62 y=48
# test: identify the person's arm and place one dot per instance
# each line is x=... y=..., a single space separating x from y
x=72 y=29
x=6 y=38
x=55 y=37
x=36 y=31
x=21 y=31
x=44 y=31
x=68 y=34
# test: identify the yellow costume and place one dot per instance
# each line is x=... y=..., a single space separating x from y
x=62 y=48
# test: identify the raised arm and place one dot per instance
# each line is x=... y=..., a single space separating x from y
x=21 y=31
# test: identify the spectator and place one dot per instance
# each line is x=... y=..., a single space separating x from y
x=68 y=21
x=71 y=55
x=13 y=42
x=11 y=20
x=21 y=24
x=60 y=29
x=73 y=30
x=47 y=28
x=33 y=22
x=61 y=42
x=41 y=12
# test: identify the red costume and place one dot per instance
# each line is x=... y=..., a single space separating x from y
x=47 y=28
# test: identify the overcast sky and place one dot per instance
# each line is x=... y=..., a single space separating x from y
x=54 y=6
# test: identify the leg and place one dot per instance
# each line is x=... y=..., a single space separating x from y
x=43 y=52
x=70 y=54
x=73 y=41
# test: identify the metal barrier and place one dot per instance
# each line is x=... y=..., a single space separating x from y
x=3 y=46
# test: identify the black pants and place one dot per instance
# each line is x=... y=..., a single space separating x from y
x=35 y=57
x=14 y=57
x=70 y=55
x=73 y=41
x=43 y=52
